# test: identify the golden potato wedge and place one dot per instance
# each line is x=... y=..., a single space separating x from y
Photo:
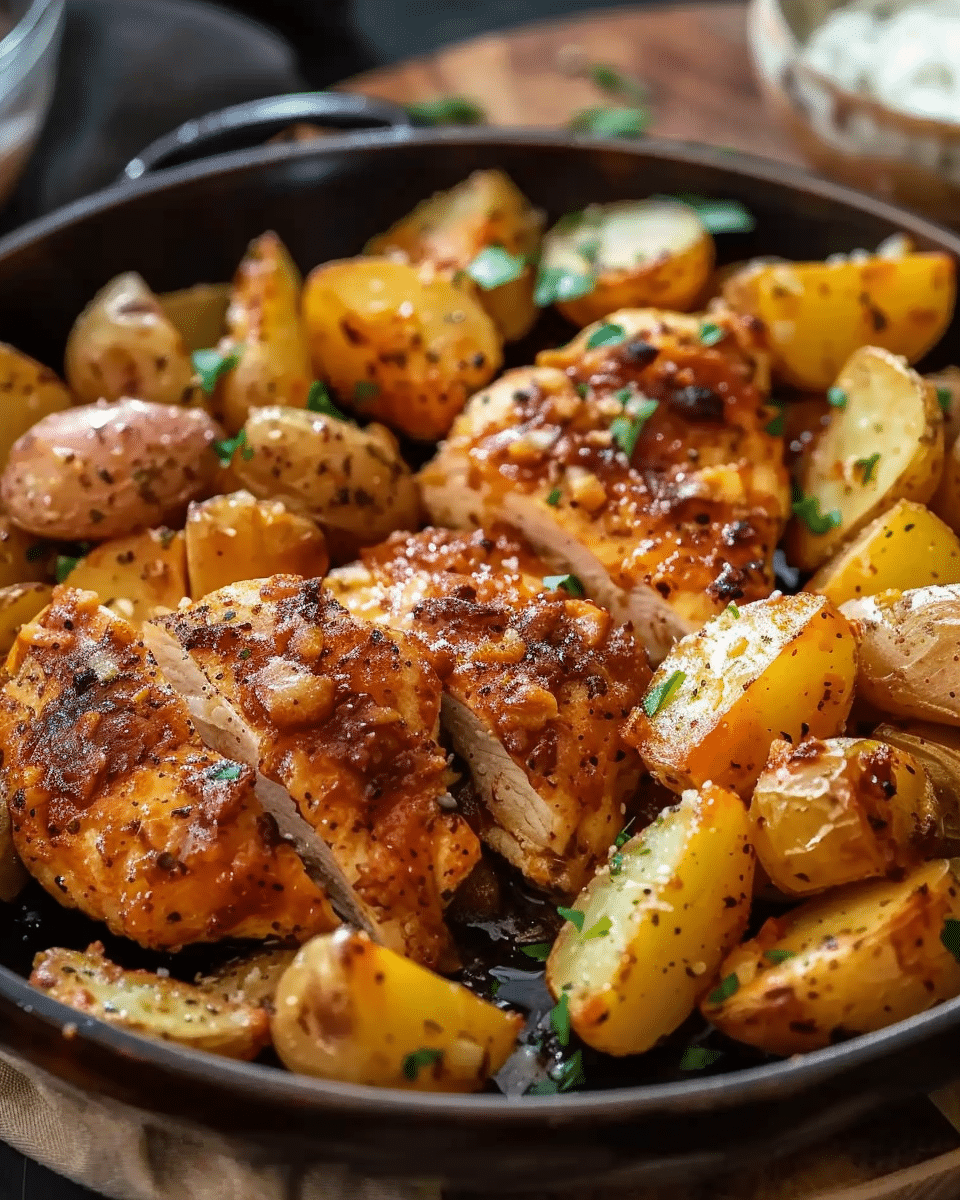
x=265 y=327
x=399 y=343
x=20 y=603
x=252 y=979
x=24 y=557
x=198 y=313
x=884 y=444
x=351 y=481
x=123 y=345
x=487 y=211
x=30 y=392
x=937 y=749
x=155 y=1006
x=909 y=647
x=825 y=813
x=13 y=874
x=635 y=253
x=782 y=667
x=138 y=576
x=349 y=1009
x=818 y=314
x=235 y=537
x=907 y=546
x=656 y=923
x=857 y=959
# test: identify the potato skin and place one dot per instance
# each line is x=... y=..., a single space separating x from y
x=937 y=749
x=825 y=813
x=137 y=576
x=123 y=344
x=104 y=470
x=401 y=344
x=351 y=1010
x=859 y=958
x=236 y=537
x=907 y=546
x=198 y=313
x=782 y=666
x=817 y=313
x=675 y=899
x=351 y=481
x=30 y=391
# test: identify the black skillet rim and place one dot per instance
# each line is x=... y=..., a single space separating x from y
x=769 y=1082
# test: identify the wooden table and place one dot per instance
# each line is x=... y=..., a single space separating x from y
x=693 y=59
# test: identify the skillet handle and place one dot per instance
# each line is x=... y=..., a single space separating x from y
x=247 y=125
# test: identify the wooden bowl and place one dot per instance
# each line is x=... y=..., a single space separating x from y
x=847 y=136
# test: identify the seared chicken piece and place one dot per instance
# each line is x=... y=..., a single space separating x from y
x=642 y=464
x=537 y=685
x=120 y=810
x=344 y=715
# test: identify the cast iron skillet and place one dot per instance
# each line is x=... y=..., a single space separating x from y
x=192 y=223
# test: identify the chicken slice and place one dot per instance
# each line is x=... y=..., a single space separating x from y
x=537 y=684
x=641 y=463
x=119 y=809
x=344 y=715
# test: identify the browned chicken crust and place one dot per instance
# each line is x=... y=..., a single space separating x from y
x=119 y=809
x=665 y=516
x=537 y=684
x=345 y=715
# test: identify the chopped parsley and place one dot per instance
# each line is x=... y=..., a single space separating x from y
x=494 y=266
x=626 y=429
x=166 y=536
x=836 y=397
x=365 y=390
x=724 y=990
x=775 y=425
x=447 y=110
x=558 y=284
x=779 y=956
x=608 y=79
x=64 y=566
x=318 y=401
x=601 y=929
x=569 y=1075
x=539 y=950
x=245 y=653
x=426 y=1056
x=950 y=936
x=606 y=335
x=616 y=864
x=560 y=1019
x=583 y=390
x=732 y=608
x=807 y=509
x=36 y=551
x=624 y=835
x=711 y=333
x=661 y=695
x=614 y=122
x=210 y=364
x=944 y=399
x=573 y=915
x=554 y=498
x=570 y=584
x=695 y=1058
x=229 y=771
x=868 y=467
x=720 y=216
x=226 y=449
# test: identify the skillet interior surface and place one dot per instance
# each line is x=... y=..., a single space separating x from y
x=192 y=224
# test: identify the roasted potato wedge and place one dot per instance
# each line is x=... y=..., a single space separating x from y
x=782 y=667
x=885 y=444
x=264 y=327
x=20 y=603
x=825 y=813
x=937 y=749
x=486 y=211
x=138 y=576
x=30 y=392
x=252 y=979
x=351 y=481
x=155 y=1006
x=656 y=923
x=909 y=646
x=123 y=344
x=235 y=537
x=636 y=253
x=399 y=343
x=349 y=1009
x=104 y=470
x=857 y=959
x=818 y=314
x=198 y=313
x=907 y=546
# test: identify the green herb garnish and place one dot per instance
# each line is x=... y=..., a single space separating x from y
x=775 y=425
x=226 y=449
x=720 y=216
x=779 y=956
x=494 y=266
x=868 y=466
x=836 y=397
x=611 y=122
x=950 y=936
x=570 y=584
x=447 y=110
x=245 y=653
x=724 y=990
x=64 y=565
x=695 y=1058
x=944 y=399
x=608 y=79
x=35 y=552
x=732 y=608
x=583 y=390
x=558 y=284
x=711 y=333
x=606 y=335
x=426 y=1056
x=229 y=771
x=624 y=835
x=539 y=950
x=318 y=401
x=660 y=695
x=573 y=915
x=601 y=929
x=365 y=390
x=554 y=498
x=616 y=863
x=560 y=1019
x=807 y=508
x=211 y=364
x=625 y=430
